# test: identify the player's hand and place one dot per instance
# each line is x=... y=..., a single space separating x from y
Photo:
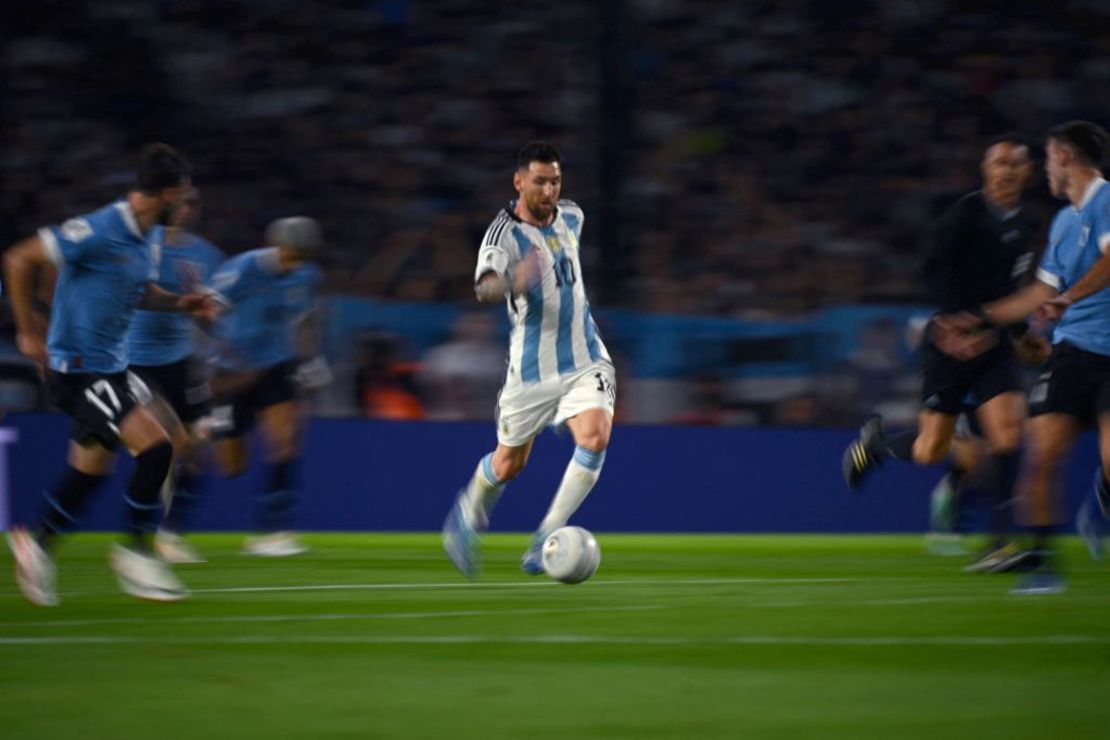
x=526 y=274
x=963 y=336
x=1052 y=310
x=33 y=346
x=1033 y=349
x=201 y=306
x=314 y=374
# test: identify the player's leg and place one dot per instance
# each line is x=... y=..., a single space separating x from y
x=138 y=570
x=470 y=515
x=926 y=445
x=945 y=384
x=88 y=466
x=591 y=430
x=1002 y=420
x=89 y=462
x=280 y=424
x=1050 y=437
x=522 y=413
x=587 y=410
x=1093 y=517
x=182 y=401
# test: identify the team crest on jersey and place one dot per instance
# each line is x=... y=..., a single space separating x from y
x=554 y=244
x=76 y=230
x=1084 y=234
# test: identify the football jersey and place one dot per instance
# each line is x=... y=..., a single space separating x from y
x=1078 y=238
x=163 y=337
x=265 y=309
x=553 y=332
x=104 y=265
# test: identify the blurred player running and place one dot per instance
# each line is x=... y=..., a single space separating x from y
x=981 y=251
x=559 y=372
x=1071 y=290
x=267 y=352
x=105 y=268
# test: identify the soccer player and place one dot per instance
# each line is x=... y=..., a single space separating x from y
x=163 y=349
x=1071 y=291
x=559 y=372
x=105 y=267
x=267 y=339
x=981 y=250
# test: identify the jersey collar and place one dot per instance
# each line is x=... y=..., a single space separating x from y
x=1093 y=188
x=997 y=211
x=128 y=217
x=511 y=210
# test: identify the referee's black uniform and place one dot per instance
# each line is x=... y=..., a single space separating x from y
x=979 y=254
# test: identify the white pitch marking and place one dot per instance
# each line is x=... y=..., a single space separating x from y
x=263 y=618
x=782 y=640
x=522 y=584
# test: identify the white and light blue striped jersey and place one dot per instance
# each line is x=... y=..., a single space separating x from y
x=104 y=266
x=553 y=333
x=266 y=308
x=159 y=338
x=1077 y=239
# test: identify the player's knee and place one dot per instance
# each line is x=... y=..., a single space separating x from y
x=594 y=440
x=929 y=451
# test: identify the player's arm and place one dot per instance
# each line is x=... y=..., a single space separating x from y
x=1019 y=305
x=21 y=264
x=308 y=338
x=499 y=276
x=200 y=304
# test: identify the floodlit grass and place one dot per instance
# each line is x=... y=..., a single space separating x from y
x=375 y=636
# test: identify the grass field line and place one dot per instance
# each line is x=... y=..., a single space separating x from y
x=522 y=584
x=570 y=639
x=336 y=617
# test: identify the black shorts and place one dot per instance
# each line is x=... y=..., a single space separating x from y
x=1074 y=382
x=181 y=384
x=96 y=403
x=233 y=413
x=952 y=386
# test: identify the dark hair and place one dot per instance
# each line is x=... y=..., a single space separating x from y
x=1011 y=137
x=161 y=166
x=1087 y=139
x=536 y=151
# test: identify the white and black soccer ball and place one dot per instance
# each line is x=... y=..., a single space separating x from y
x=571 y=554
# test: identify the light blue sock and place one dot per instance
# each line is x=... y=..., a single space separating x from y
x=582 y=473
x=482 y=493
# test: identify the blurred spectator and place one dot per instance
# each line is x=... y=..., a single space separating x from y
x=385 y=385
x=461 y=376
x=769 y=159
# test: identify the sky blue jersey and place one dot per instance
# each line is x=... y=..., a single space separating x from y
x=161 y=337
x=266 y=309
x=104 y=265
x=1077 y=239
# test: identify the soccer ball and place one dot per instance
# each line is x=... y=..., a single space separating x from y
x=571 y=554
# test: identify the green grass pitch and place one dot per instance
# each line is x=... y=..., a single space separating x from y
x=375 y=636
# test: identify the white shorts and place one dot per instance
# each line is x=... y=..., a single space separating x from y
x=524 y=410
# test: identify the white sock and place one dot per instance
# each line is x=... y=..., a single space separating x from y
x=582 y=473
x=481 y=494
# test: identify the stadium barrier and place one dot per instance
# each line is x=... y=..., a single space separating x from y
x=364 y=475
